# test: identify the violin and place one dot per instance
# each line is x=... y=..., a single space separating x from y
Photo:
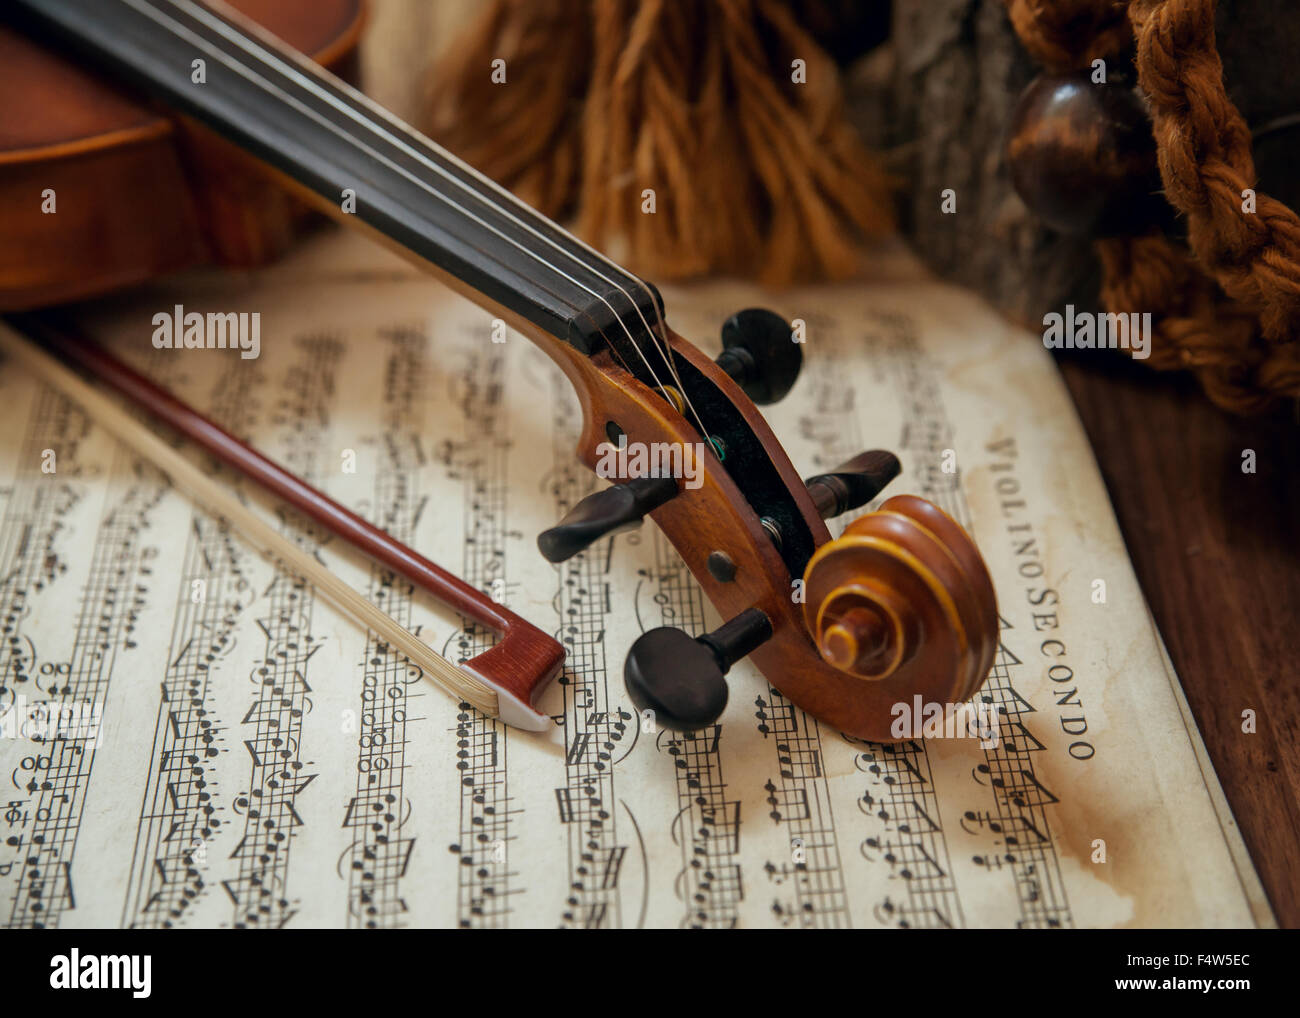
x=900 y=606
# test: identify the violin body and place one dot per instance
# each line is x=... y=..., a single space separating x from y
x=137 y=190
x=900 y=606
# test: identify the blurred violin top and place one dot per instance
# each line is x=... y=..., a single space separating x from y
x=103 y=187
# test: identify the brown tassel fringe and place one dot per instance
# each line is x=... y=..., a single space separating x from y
x=753 y=174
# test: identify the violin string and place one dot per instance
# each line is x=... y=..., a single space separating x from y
x=259 y=81
x=312 y=84
x=344 y=91
x=332 y=89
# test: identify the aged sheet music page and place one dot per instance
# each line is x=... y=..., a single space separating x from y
x=251 y=759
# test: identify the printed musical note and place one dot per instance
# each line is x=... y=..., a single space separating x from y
x=378 y=858
x=1008 y=765
x=262 y=762
x=273 y=726
x=800 y=804
x=481 y=461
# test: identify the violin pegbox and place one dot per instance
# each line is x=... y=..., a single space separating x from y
x=759 y=355
x=900 y=606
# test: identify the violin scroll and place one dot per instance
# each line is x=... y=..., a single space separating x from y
x=904 y=593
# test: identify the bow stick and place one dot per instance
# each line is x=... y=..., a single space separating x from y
x=502 y=682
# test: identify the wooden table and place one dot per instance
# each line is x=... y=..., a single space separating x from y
x=1217 y=552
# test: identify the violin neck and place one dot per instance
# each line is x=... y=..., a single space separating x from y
x=212 y=65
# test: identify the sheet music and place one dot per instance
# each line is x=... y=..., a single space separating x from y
x=252 y=759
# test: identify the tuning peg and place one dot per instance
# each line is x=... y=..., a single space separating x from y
x=680 y=677
x=854 y=483
x=620 y=507
x=759 y=354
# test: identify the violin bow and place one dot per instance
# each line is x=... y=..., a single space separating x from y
x=502 y=682
x=901 y=605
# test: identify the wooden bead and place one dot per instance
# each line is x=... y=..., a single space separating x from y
x=1082 y=155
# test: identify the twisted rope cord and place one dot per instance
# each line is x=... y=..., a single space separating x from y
x=1205 y=156
x=1228 y=310
x=1068 y=35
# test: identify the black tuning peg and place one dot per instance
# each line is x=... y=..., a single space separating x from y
x=680 y=677
x=854 y=483
x=620 y=507
x=759 y=354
